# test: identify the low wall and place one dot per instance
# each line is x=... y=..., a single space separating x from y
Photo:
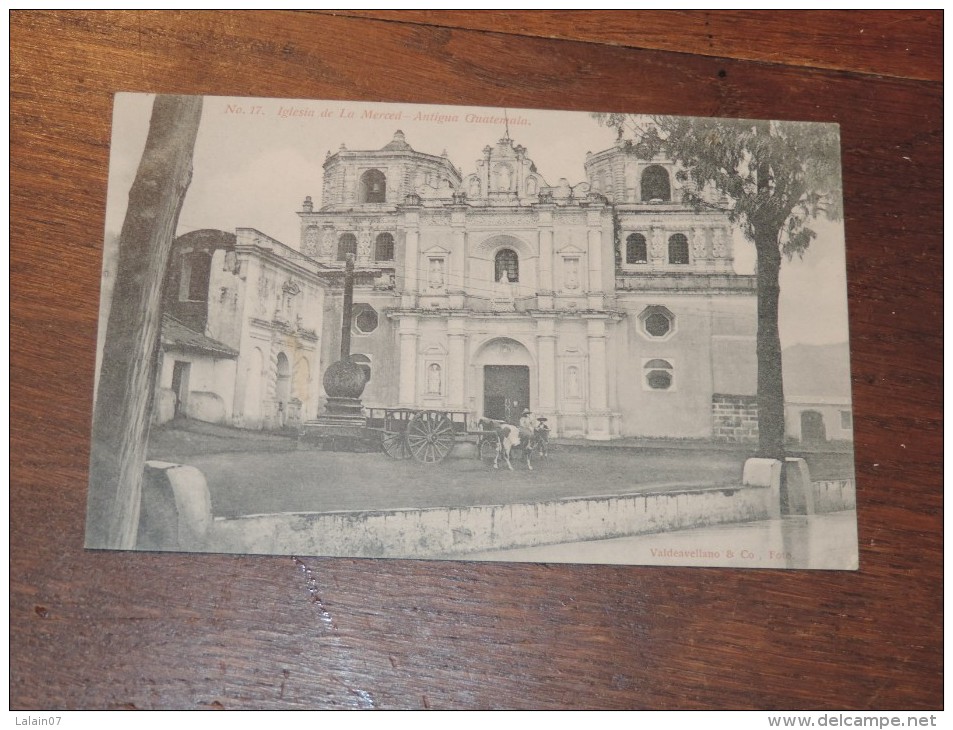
x=443 y=532
x=176 y=514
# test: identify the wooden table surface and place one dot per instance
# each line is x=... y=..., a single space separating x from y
x=115 y=630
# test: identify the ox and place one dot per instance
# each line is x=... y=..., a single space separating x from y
x=509 y=437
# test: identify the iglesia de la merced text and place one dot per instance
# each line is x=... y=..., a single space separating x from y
x=609 y=306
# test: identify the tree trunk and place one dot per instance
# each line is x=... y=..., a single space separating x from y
x=770 y=381
x=130 y=352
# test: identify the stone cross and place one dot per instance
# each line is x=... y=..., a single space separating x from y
x=348 y=307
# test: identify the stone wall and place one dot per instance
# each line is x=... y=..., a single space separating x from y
x=454 y=532
x=734 y=418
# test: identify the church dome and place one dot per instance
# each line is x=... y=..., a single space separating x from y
x=398 y=143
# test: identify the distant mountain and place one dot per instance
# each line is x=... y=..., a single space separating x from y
x=817 y=370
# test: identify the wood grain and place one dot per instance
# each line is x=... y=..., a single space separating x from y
x=888 y=43
x=103 y=630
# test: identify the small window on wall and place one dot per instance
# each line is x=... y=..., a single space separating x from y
x=347 y=244
x=657 y=321
x=384 y=249
x=636 y=251
x=678 y=249
x=366 y=319
x=507 y=266
x=846 y=420
x=659 y=375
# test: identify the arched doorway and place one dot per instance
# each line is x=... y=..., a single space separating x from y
x=812 y=427
x=505 y=376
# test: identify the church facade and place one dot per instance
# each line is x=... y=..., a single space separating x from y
x=609 y=307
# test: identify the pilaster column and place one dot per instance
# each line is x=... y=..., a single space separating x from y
x=456 y=281
x=456 y=363
x=598 y=391
x=408 y=362
x=595 y=253
x=658 y=249
x=546 y=347
x=411 y=261
x=596 y=284
x=545 y=251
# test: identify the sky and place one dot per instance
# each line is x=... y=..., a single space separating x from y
x=255 y=161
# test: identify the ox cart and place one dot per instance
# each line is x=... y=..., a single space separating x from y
x=427 y=436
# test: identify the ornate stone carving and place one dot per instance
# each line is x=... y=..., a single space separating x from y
x=571 y=266
x=574 y=218
x=435 y=218
x=327 y=242
x=364 y=245
x=720 y=243
x=658 y=243
x=312 y=240
x=504 y=175
x=508 y=220
x=698 y=243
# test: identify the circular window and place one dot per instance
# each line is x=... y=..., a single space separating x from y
x=657 y=324
x=657 y=321
x=366 y=320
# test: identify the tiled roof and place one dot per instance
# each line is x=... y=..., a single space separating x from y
x=176 y=335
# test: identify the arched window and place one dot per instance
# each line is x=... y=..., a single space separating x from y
x=347 y=244
x=373 y=187
x=655 y=184
x=659 y=374
x=507 y=266
x=384 y=250
x=635 y=249
x=678 y=249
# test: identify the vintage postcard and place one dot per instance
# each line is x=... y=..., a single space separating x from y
x=393 y=330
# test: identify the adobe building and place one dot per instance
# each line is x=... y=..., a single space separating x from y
x=242 y=322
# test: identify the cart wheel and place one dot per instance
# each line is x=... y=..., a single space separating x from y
x=488 y=445
x=395 y=445
x=430 y=437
